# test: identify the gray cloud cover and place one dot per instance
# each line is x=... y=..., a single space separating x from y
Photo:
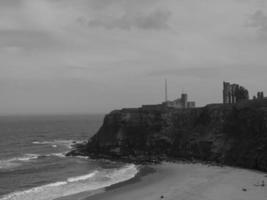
x=50 y=62
x=155 y=20
x=259 y=21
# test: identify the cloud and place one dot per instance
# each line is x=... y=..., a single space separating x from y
x=155 y=20
x=259 y=21
x=225 y=72
x=102 y=4
x=203 y=72
x=9 y=3
x=125 y=45
x=27 y=39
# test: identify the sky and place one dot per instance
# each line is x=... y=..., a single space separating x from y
x=93 y=56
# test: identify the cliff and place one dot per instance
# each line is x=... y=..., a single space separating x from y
x=228 y=134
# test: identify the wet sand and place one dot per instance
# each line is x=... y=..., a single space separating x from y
x=184 y=181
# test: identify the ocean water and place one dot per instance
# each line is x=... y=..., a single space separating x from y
x=32 y=161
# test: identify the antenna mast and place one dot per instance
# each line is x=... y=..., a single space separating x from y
x=166 y=90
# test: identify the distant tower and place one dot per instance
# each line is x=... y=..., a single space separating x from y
x=226 y=93
x=184 y=99
x=166 y=90
x=258 y=95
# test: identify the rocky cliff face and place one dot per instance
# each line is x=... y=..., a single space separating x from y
x=227 y=134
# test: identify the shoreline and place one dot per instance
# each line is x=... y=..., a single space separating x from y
x=181 y=180
x=143 y=171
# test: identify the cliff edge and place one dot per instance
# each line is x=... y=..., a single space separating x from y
x=235 y=135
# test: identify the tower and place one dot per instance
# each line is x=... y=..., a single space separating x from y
x=184 y=99
x=226 y=93
x=166 y=90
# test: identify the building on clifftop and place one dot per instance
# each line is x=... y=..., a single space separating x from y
x=260 y=96
x=180 y=102
x=233 y=93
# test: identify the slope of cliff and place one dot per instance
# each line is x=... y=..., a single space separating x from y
x=227 y=134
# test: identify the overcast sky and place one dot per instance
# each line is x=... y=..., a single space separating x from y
x=92 y=56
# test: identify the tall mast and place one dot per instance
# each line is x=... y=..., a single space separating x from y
x=166 y=90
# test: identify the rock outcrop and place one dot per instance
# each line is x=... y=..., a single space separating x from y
x=227 y=134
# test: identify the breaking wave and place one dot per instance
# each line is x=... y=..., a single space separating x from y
x=95 y=180
x=60 y=155
x=56 y=143
x=17 y=161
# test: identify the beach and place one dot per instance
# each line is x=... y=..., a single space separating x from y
x=185 y=181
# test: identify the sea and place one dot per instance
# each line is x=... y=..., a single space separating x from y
x=33 y=165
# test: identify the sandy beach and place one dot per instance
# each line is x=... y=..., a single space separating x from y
x=184 y=181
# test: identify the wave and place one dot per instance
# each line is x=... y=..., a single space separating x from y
x=56 y=143
x=82 y=157
x=90 y=182
x=17 y=161
x=82 y=178
x=60 y=155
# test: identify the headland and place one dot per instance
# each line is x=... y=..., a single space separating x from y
x=199 y=141
x=228 y=134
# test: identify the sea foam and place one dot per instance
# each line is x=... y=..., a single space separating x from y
x=96 y=180
x=60 y=155
x=56 y=143
x=17 y=161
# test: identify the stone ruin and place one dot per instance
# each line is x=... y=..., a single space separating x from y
x=260 y=96
x=234 y=93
